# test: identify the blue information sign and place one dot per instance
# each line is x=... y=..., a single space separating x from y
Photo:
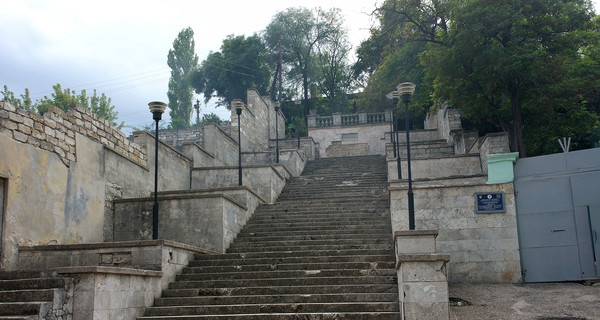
x=492 y=202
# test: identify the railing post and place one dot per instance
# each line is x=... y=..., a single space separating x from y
x=362 y=117
x=337 y=119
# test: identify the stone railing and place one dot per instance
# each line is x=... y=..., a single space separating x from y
x=338 y=119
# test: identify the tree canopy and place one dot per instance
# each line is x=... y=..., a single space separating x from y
x=517 y=65
x=183 y=61
x=241 y=64
x=312 y=44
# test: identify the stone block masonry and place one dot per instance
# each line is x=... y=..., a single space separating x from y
x=55 y=131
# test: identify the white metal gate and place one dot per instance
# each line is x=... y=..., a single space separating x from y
x=558 y=217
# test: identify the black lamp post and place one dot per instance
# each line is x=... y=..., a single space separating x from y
x=406 y=90
x=277 y=132
x=197 y=107
x=393 y=97
x=298 y=102
x=157 y=108
x=239 y=105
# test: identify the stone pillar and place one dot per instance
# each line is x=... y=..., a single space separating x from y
x=337 y=119
x=423 y=285
x=362 y=117
x=312 y=120
x=388 y=115
x=422 y=276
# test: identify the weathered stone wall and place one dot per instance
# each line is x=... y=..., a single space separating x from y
x=48 y=202
x=222 y=146
x=178 y=137
x=257 y=122
x=492 y=143
x=55 y=131
x=482 y=247
x=442 y=167
x=266 y=180
x=307 y=145
x=173 y=167
x=64 y=169
x=373 y=135
x=215 y=221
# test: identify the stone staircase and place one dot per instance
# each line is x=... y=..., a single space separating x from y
x=35 y=295
x=322 y=251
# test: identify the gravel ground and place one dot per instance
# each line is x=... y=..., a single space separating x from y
x=548 y=301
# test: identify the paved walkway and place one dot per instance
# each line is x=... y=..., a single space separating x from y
x=571 y=301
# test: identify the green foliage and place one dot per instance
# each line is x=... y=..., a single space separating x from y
x=24 y=102
x=210 y=118
x=64 y=99
x=240 y=65
x=183 y=61
x=298 y=33
x=527 y=67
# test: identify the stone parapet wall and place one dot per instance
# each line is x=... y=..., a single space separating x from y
x=179 y=137
x=55 y=131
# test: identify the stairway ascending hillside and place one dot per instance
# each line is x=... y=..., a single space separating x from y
x=323 y=251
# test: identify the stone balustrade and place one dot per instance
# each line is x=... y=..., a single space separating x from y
x=338 y=119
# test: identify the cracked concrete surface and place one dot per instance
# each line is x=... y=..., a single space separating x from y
x=526 y=301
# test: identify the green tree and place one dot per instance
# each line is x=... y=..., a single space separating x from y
x=183 y=61
x=210 y=118
x=241 y=64
x=517 y=65
x=335 y=77
x=297 y=33
x=509 y=63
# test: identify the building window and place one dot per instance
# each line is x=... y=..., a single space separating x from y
x=348 y=137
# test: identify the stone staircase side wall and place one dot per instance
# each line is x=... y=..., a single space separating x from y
x=267 y=181
x=436 y=168
x=107 y=293
x=482 y=247
x=215 y=221
x=257 y=122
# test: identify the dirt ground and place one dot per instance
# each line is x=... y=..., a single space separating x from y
x=548 y=301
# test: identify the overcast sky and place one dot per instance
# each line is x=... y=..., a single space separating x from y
x=120 y=47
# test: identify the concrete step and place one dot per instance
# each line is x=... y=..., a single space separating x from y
x=290 y=254
x=365 y=246
x=236 y=260
x=35 y=283
x=26 y=295
x=288 y=316
x=312 y=281
x=349 y=232
x=290 y=266
x=276 y=273
x=21 y=308
x=304 y=242
x=337 y=237
x=283 y=290
x=271 y=299
x=273 y=308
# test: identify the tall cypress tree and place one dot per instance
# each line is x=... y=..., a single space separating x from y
x=182 y=60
